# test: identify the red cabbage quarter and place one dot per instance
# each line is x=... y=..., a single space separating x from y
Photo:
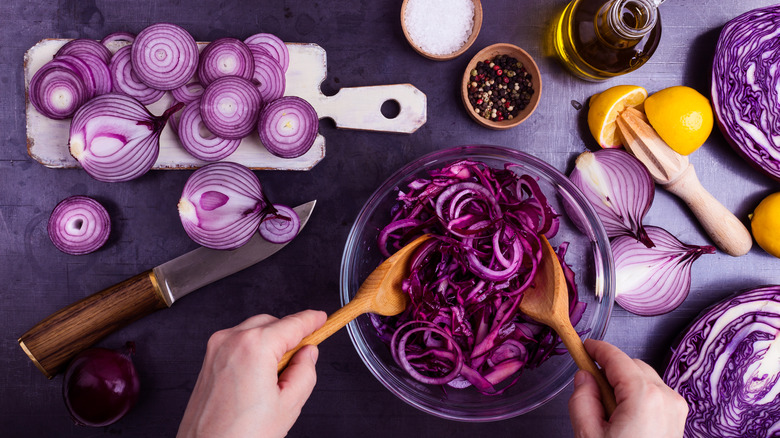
x=745 y=91
x=463 y=326
x=727 y=364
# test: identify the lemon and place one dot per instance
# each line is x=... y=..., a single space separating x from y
x=604 y=108
x=765 y=223
x=681 y=116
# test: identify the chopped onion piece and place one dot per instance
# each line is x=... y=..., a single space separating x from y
x=225 y=57
x=230 y=107
x=164 y=56
x=198 y=140
x=288 y=126
x=79 y=225
x=273 y=45
x=653 y=281
x=80 y=46
x=127 y=82
x=282 y=226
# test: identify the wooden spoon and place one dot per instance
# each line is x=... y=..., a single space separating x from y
x=547 y=301
x=380 y=293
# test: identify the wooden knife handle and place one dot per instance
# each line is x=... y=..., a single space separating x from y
x=728 y=232
x=51 y=343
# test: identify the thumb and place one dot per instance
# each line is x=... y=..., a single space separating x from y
x=585 y=409
x=297 y=381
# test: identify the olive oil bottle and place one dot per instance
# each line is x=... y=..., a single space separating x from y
x=598 y=39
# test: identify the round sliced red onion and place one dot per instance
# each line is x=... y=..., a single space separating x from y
x=620 y=189
x=653 y=281
x=188 y=92
x=230 y=107
x=118 y=36
x=127 y=82
x=57 y=91
x=115 y=138
x=282 y=226
x=222 y=205
x=198 y=140
x=225 y=57
x=164 y=56
x=80 y=46
x=82 y=70
x=288 y=126
x=268 y=75
x=79 y=225
x=274 y=45
x=99 y=73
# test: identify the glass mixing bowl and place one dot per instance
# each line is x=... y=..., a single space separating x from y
x=588 y=254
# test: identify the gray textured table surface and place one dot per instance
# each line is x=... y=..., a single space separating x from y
x=365 y=46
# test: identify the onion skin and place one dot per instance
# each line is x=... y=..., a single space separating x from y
x=221 y=205
x=164 y=56
x=288 y=127
x=620 y=189
x=745 y=96
x=115 y=138
x=79 y=225
x=725 y=365
x=100 y=386
x=653 y=281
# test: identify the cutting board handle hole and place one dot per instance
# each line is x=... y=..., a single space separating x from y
x=391 y=108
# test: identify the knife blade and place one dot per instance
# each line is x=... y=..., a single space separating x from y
x=51 y=343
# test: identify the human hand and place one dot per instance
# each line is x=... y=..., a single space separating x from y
x=238 y=393
x=646 y=406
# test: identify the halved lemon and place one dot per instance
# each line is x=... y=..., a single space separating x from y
x=682 y=117
x=604 y=108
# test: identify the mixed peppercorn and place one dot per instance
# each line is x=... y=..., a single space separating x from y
x=499 y=88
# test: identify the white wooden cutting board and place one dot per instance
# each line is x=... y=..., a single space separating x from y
x=352 y=108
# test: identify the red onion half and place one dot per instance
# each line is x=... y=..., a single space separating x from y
x=79 y=225
x=197 y=139
x=165 y=56
x=80 y=46
x=230 y=106
x=653 y=281
x=225 y=57
x=273 y=45
x=282 y=226
x=288 y=126
x=101 y=386
x=222 y=205
x=620 y=189
x=127 y=82
x=115 y=138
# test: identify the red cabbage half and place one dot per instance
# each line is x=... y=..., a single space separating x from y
x=727 y=365
x=746 y=87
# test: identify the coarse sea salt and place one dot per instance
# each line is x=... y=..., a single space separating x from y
x=439 y=27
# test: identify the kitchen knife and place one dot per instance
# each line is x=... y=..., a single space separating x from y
x=51 y=343
x=675 y=173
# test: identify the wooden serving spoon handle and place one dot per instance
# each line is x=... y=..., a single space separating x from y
x=335 y=322
x=728 y=232
x=571 y=339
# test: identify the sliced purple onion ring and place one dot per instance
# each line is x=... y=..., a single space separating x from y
x=82 y=70
x=118 y=36
x=164 y=56
x=282 y=226
x=225 y=57
x=125 y=81
x=188 y=92
x=653 y=281
x=273 y=45
x=230 y=107
x=79 y=46
x=99 y=72
x=198 y=140
x=222 y=205
x=79 y=225
x=288 y=126
x=268 y=75
x=115 y=138
x=57 y=90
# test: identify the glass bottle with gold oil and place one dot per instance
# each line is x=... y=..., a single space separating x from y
x=598 y=39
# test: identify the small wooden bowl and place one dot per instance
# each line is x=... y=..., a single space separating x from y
x=521 y=55
x=455 y=54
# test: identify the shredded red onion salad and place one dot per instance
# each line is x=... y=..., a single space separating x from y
x=463 y=326
x=79 y=225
